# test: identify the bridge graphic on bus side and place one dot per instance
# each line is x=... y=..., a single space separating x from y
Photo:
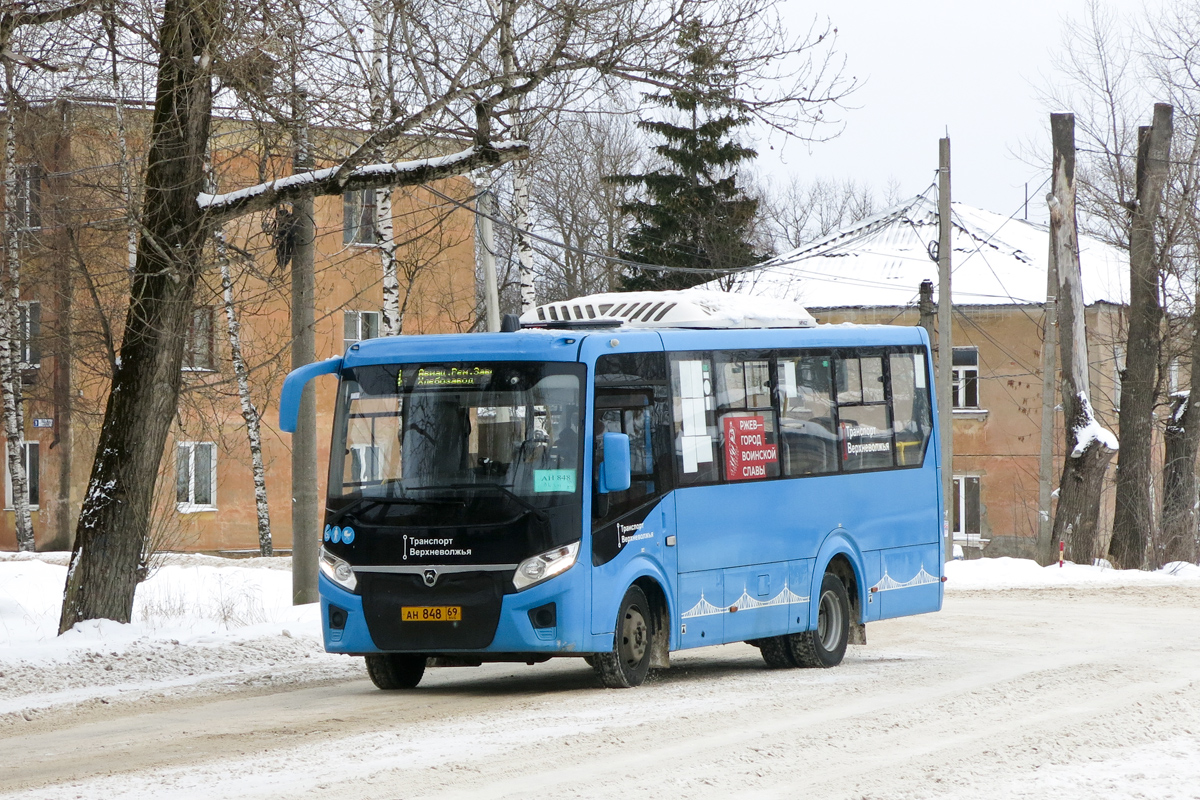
x=887 y=583
x=743 y=603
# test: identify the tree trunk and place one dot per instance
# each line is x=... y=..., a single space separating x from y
x=11 y=335
x=249 y=413
x=114 y=520
x=385 y=234
x=521 y=223
x=1089 y=446
x=1179 y=529
x=1134 y=516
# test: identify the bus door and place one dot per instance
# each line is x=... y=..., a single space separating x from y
x=631 y=397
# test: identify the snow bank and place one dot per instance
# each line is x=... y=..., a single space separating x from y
x=196 y=619
x=1022 y=573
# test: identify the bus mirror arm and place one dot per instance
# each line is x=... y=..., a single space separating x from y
x=293 y=389
x=615 y=473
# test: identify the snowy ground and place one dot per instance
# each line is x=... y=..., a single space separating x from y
x=1076 y=682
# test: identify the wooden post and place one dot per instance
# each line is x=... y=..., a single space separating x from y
x=928 y=310
x=945 y=347
x=305 y=505
x=1045 y=544
x=487 y=256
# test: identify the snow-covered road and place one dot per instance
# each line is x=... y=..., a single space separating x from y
x=1065 y=692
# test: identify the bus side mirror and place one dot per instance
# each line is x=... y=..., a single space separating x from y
x=293 y=389
x=615 y=472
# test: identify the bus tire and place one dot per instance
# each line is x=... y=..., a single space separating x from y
x=392 y=671
x=626 y=666
x=777 y=653
x=825 y=646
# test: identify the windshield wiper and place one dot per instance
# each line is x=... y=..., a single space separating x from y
x=537 y=512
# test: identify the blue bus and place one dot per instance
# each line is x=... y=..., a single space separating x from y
x=624 y=476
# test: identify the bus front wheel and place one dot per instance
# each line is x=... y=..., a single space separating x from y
x=626 y=666
x=395 y=670
x=825 y=646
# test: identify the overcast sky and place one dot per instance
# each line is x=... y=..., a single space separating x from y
x=928 y=66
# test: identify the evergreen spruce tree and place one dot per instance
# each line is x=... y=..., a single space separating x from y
x=693 y=213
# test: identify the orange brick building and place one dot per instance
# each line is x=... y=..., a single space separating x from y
x=75 y=264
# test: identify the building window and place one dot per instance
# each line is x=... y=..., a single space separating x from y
x=358 y=221
x=964 y=378
x=29 y=331
x=966 y=509
x=29 y=196
x=31 y=461
x=359 y=325
x=199 y=346
x=195 y=476
x=1118 y=375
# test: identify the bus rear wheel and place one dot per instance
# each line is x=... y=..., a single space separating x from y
x=777 y=652
x=826 y=645
x=626 y=666
x=395 y=670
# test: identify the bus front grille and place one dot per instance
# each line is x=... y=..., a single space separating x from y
x=479 y=594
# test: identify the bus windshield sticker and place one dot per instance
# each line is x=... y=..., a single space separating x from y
x=554 y=480
x=919 y=370
x=447 y=377
x=747 y=452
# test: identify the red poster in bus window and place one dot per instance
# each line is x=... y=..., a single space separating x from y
x=747 y=452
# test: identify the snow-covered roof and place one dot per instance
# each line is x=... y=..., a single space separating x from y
x=692 y=308
x=882 y=260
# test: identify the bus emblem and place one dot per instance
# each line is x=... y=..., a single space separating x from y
x=430 y=577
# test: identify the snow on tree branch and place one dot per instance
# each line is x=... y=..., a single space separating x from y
x=1089 y=430
x=326 y=182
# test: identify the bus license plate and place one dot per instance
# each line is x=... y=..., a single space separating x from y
x=431 y=613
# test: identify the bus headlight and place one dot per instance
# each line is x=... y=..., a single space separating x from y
x=337 y=570
x=545 y=566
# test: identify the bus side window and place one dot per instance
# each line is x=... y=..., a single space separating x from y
x=695 y=429
x=910 y=408
x=749 y=446
x=864 y=428
x=808 y=438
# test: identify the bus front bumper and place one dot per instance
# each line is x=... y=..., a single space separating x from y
x=345 y=629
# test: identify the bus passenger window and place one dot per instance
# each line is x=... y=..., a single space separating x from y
x=695 y=427
x=746 y=427
x=864 y=428
x=910 y=408
x=808 y=442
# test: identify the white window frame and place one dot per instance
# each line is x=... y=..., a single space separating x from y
x=358 y=217
x=1118 y=368
x=29 y=333
x=190 y=506
x=189 y=347
x=961 y=377
x=958 y=521
x=352 y=323
x=8 y=490
x=29 y=196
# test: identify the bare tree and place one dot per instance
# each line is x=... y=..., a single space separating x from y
x=1089 y=445
x=573 y=204
x=799 y=212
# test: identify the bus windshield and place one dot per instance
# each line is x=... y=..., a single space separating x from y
x=448 y=430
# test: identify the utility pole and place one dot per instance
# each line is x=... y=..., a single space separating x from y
x=927 y=309
x=305 y=511
x=945 y=349
x=1045 y=548
x=487 y=256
